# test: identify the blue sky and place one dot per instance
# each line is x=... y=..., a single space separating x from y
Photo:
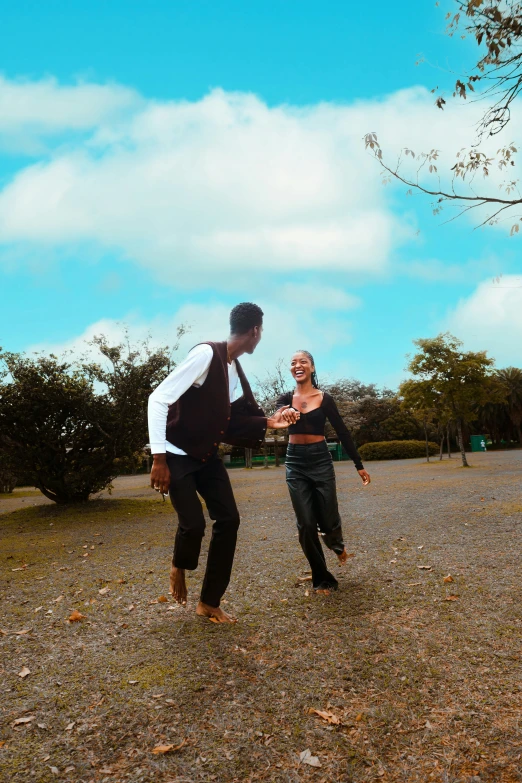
x=160 y=162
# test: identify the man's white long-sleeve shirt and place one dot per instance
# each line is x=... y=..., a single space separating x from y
x=192 y=371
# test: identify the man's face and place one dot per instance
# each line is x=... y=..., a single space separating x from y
x=256 y=333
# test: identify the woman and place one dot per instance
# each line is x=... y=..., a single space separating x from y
x=309 y=469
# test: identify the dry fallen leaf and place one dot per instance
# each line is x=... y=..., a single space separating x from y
x=76 y=616
x=18 y=721
x=55 y=770
x=329 y=717
x=448 y=578
x=71 y=726
x=307 y=593
x=163 y=599
x=452 y=598
x=306 y=758
x=133 y=682
x=24 y=672
x=424 y=568
x=168 y=748
x=103 y=591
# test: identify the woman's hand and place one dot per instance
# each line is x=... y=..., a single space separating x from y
x=365 y=477
x=289 y=414
x=282 y=418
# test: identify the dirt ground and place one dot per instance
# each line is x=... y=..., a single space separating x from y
x=418 y=678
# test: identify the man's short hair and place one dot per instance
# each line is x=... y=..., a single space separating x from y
x=244 y=317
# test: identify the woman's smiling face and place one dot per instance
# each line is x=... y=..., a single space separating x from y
x=301 y=367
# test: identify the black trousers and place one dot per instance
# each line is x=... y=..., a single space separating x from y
x=310 y=478
x=190 y=478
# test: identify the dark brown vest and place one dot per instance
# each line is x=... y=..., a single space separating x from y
x=203 y=417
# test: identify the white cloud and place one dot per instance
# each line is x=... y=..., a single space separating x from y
x=30 y=110
x=317 y=297
x=491 y=319
x=286 y=329
x=225 y=183
x=202 y=192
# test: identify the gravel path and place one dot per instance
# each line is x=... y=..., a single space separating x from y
x=417 y=679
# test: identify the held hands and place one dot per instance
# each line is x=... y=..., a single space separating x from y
x=283 y=418
x=365 y=477
x=160 y=474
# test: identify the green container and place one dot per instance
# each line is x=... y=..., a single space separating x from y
x=478 y=443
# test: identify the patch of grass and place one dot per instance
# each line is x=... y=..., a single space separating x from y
x=94 y=511
x=21 y=493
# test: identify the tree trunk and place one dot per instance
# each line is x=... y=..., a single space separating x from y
x=441 y=446
x=265 y=454
x=427 y=442
x=276 y=451
x=461 y=443
x=248 y=458
x=448 y=442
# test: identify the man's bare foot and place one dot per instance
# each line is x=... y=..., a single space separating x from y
x=178 y=586
x=322 y=591
x=214 y=613
x=343 y=557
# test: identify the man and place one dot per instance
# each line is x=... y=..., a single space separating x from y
x=190 y=413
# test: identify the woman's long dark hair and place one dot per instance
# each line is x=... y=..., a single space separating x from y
x=315 y=382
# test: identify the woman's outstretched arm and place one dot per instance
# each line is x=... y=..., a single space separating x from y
x=343 y=433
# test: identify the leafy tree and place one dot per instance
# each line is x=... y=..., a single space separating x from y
x=496 y=79
x=8 y=472
x=511 y=380
x=460 y=380
x=420 y=398
x=272 y=385
x=73 y=426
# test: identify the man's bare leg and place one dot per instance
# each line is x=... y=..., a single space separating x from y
x=178 y=586
x=214 y=613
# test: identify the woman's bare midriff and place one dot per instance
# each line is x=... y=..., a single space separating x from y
x=304 y=440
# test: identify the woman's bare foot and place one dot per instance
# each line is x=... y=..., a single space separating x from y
x=214 y=613
x=343 y=557
x=322 y=591
x=178 y=586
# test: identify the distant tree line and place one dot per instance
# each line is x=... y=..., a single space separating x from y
x=70 y=426
x=451 y=394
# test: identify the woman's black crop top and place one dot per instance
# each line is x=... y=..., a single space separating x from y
x=314 y=422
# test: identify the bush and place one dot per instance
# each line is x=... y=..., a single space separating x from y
x=397 y=449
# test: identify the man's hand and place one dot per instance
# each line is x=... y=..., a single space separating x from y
x=279 y=421
x=365 y=477
x=160 y=474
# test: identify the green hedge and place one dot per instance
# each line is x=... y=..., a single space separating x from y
x=396 y=449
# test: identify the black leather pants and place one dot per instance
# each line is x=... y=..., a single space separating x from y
x=311 y=481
